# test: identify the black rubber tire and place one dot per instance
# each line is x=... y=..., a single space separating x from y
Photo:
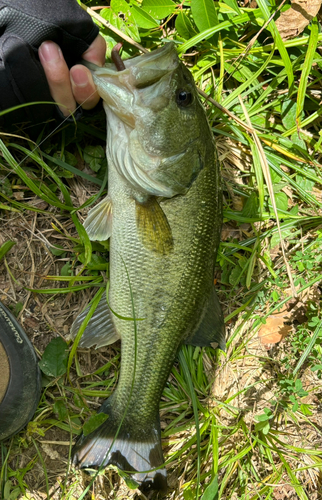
x=23 y=393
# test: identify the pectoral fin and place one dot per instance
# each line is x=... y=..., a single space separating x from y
x=98 y=224
x=100 y=329
x=153 y=227
x=211 y=330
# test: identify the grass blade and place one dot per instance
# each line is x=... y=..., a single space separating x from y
x=306 y=70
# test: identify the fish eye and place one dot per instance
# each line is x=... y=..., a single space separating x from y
x=184 y=98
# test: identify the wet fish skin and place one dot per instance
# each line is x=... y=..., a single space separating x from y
x=164 y=221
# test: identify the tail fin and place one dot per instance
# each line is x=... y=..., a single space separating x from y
x=136 y=451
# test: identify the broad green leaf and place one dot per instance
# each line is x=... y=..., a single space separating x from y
x=235 y=275
x=233 y=4
x=94 y=422
x=66 y=270
x=132 y=29
x=211 y=492
x=304 y=182
x=289 y=121
x=120 y=7
x=307 y=66
x=113 y=18
x=6 y=247
x=263 y=427
x=158 y=9
x=276 y=238
x=184 y=26
x=94 y=156
x=188 y=494
x=57 y=250
x=204 y=14
x=59 y=407
x=239 y=72
x=54 y=360
x=288 y=113
x=5 y=186
x=296 y=139
x=281 y=201
x=143 y=19
x=67 y=159
x=251 y=206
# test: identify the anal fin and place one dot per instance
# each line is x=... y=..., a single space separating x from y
x=100 y=329
x=153 y=227
x=98 y=223
x=211 y=330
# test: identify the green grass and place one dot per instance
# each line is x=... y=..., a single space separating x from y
x=257 y=410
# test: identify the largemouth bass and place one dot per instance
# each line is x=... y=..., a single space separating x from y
x=163 y=217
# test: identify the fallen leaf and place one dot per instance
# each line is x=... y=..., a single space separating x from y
x=294 y=20
x=275 y=329
x=19 y=195
x=277 y=325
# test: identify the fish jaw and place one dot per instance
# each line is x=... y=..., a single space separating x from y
x=122 y=90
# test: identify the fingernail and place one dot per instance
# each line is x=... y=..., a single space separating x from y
x=50 y=52
x=79 y=77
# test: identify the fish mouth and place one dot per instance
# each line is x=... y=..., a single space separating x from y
x=144 y=70
x=144 y=78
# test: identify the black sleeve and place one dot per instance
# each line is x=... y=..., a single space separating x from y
x=24 y=25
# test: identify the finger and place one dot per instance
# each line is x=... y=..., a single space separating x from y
x=57 y=74
x=96 y=51
x=83 y=87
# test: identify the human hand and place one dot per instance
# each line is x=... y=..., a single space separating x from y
x=24 y=26
x=68 y=87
